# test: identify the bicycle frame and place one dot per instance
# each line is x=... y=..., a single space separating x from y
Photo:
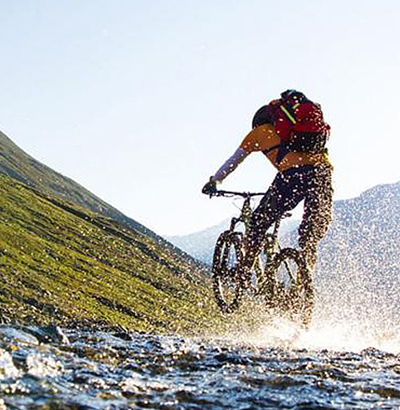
x=246 y=211
x=266 y=278
x=271 y=240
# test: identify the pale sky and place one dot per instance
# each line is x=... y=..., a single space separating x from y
x=141 y=101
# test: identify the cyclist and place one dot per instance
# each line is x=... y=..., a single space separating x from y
x=292 y=134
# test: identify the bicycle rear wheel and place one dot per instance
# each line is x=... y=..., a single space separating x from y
x=227 y=281
x=293 y=288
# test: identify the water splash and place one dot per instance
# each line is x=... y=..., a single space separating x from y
x=41 y=365
x=330 y=330
x=7 y=368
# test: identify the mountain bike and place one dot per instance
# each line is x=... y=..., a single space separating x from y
x=279 y=276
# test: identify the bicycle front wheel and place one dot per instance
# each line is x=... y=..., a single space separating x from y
x=227 y=281
x=293 y=293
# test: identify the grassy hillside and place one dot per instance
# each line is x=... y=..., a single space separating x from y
x=61 y=264
x=18 y=165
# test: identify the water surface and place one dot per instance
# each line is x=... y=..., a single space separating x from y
x=276 y=367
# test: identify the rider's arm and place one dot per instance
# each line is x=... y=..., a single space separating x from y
x=230 y=165
x=259 y=139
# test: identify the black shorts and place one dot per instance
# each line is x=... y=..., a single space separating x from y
x=311 y=183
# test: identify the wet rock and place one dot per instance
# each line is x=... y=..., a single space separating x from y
x=49 y=334
x=17 y=336
x=123 y=333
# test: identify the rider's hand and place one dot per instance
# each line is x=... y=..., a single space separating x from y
x=210 y=188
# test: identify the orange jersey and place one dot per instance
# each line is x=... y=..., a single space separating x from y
x=265 y=139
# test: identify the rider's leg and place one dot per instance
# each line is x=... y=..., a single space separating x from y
x=286 y=191
x=317 y=213
x=263 y=217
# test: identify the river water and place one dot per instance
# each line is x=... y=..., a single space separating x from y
x=269 y=367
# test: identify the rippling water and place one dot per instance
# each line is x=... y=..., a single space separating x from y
x=277 y=367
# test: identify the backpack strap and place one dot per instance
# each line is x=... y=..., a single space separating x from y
x=283 y=149
x=288 y=107
x=268 y=150
x=289 y=111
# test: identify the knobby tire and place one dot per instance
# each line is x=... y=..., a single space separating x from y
x=298 y=299
x=226 y=277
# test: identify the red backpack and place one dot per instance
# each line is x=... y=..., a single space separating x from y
x=299 y=122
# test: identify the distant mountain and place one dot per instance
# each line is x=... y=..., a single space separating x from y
x=359 y=259
x=18 y=165
x=200 y=244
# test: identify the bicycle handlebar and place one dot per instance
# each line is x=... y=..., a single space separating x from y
x=234 y=193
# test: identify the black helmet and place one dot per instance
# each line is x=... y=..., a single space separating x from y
x=264 y=115
x=296 y=95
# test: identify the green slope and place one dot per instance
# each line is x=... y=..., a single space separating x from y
x=19 y=165
x=62 y=264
